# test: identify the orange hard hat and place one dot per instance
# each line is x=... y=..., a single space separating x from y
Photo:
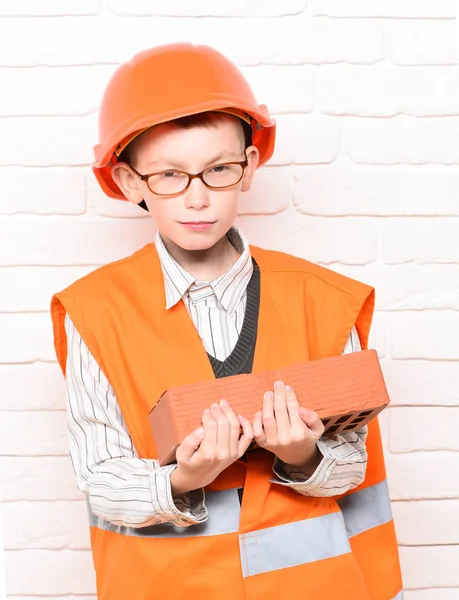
x=169 y=82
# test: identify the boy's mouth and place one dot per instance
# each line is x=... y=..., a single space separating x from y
x=197 y=225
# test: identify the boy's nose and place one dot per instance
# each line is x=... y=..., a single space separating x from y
x=197 y=195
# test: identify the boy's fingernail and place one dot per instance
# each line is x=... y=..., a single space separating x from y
x=224 y=403
x=288 y=388
x=199 y=432
x=215 y=405
x=279 y=384
x=206 y=412
x=268 y=396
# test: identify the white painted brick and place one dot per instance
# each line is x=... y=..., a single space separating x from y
x=53 y=191
x=417 y=383
x=100 y=204
x=111 y=40
x=423 y=335
x=35 y=386
x=34 y=433
x=421 y=241
x=305 y=140
x=2 y=559
x=430 y=566
x=321 y=41
x=284 y=89
x=38 y=478
x=29 y=289
x=377 y=339
x=32 y=8
x=52 y=41
x=421 y=476
x=318 y=240
x=66 y=597
x=271 y=192
x=430 y=522
x=383 y=425
x=340 y=41
x=409 y=286
x=401 y=140
x=225 y=8
x=35 y=141
x=41 y=567
x=385 y=8
x=82 y=242
x=421 y=42
x=376 y=191
x=430 y=428
x=432 y=594
x=46 y=91
x=46 y=525
x=383 y=92
x=26 y=337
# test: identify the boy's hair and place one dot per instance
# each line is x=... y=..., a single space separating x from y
x=201 y=119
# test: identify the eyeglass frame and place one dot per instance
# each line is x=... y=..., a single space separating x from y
x=243 y=163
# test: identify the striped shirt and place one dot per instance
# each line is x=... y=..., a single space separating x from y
x=128 y=490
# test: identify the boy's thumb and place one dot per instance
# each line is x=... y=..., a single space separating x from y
x=192 y=442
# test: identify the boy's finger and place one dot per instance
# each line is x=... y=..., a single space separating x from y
x=246 y=437
x=234 y=426
x=190 y=444
x=280 y=408
x=268 y=418
x=210 y=430
x=312 y=420
x=258 y=432
x=293 y=407
x=223 y=426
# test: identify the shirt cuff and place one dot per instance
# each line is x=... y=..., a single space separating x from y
x=290 y=476
x=182 y=511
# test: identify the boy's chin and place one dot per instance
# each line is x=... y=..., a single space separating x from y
x=197 y=242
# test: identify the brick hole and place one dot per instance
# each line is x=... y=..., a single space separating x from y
x=343 y=419
x=366 y=413
x=332 y=429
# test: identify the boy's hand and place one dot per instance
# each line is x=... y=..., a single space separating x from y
x=209 y=450
x=288 y=430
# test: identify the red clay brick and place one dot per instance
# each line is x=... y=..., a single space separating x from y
x=346 y=391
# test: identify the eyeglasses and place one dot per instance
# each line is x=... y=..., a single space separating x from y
x=172 y=183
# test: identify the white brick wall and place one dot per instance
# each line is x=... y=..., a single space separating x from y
x=365 y=179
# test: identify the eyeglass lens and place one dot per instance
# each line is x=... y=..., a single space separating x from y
x=174 y=182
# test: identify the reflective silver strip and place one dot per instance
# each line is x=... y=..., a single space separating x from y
x=399 y=596
x=366 y=509
x=293 y=544
x=223 y=517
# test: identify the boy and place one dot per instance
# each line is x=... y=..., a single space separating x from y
x=302 y=515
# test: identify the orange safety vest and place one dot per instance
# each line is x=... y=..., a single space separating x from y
x=278 y=544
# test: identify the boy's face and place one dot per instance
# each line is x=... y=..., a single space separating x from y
x=170 y=148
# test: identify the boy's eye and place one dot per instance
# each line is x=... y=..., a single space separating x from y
x=170 y=174
x=219 y=169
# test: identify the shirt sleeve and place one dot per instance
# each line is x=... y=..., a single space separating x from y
x=121 y=487
x=344 y=462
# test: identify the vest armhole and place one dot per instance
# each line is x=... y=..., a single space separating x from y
x=58 y=313
x=360 y=317
x=364 y=319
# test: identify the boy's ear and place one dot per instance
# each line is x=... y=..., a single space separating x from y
x=253 y=157
x=128 y=182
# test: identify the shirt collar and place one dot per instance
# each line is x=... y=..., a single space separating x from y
x=229 y=288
